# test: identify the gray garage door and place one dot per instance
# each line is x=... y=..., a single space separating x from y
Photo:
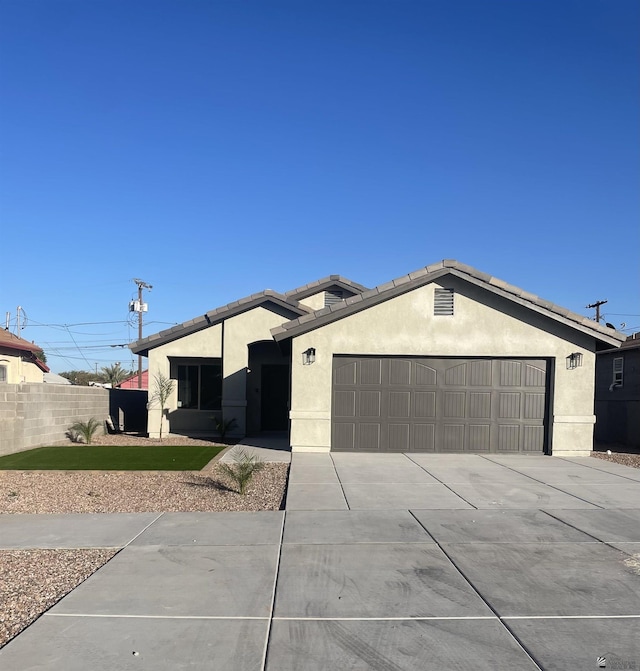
x=392 y=404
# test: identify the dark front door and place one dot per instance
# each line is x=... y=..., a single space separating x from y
x=274 y=413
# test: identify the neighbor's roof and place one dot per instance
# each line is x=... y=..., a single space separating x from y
x=431 y=273
x=632 y=342
x=216 y=316
x=10 y=341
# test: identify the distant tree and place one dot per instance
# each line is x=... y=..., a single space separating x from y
x=162 y=390
x=41 y=356
x=115 y=374
x=81 y=377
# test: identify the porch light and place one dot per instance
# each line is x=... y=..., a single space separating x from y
x=574 y=360
x=309 y=356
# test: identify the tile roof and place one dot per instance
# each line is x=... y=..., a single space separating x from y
x=215 y=316
x=10 y=341
x=431 y=273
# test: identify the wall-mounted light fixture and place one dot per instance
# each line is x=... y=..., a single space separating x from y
x=309 y=356
x=574 y=360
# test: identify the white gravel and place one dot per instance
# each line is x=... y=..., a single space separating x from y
x=34 y=580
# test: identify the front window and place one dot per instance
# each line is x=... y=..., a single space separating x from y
x=3 y=373
x=200 y=386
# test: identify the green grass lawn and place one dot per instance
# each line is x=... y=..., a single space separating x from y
x=111 y=458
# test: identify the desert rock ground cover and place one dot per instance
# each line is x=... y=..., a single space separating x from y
x=34 y=580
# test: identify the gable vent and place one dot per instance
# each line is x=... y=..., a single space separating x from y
x=333 y=297
x=443 y=302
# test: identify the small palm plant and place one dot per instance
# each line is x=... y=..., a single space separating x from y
x=224 y=425
x=85 y=429
x=243 y=469
x=162 y=390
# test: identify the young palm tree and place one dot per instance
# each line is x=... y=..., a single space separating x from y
x=162 y=390
x=86 y=429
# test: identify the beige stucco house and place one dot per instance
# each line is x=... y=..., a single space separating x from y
x=445 y=359
x=19 y=361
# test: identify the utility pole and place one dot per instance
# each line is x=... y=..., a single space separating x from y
x=597 y=305
x=139 y=307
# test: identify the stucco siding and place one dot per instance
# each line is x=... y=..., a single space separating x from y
x=203 y=344
x=484 y=325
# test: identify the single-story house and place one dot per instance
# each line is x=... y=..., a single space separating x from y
x=618 y=394
x=132 y=381
x=444 y=359
x=19 y=360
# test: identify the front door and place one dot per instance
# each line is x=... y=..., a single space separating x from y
x=274 y=398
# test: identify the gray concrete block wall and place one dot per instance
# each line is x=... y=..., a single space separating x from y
x=33 y=415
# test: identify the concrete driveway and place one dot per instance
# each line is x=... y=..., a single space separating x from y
x=380 y=562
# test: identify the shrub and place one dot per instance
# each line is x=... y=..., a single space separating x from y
x=223 y=426
x=243 y=469
x=86 y=430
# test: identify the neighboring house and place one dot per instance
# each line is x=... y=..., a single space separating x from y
x=54 y=378
x=18 y=360
x=132 y=381
x=618 y=394
x=445 y=359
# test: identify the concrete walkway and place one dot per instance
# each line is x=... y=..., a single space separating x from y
x=380 y=562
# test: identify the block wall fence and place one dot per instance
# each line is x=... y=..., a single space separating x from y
x=32 y=415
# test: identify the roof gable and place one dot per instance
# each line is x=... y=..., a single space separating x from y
x=430 y=274
x=322 y=285
x=288 y=307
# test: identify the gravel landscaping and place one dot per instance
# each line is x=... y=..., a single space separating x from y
x=34 y=580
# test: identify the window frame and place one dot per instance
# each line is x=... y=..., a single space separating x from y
x=4 y=372
x=190 y=383
x=618 y=371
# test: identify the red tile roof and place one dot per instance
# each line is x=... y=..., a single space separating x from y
x=12 y=342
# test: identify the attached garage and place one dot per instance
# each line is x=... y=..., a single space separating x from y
x=430 y=404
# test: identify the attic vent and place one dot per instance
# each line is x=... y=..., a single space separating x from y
x=333 y=297
x=443 y=302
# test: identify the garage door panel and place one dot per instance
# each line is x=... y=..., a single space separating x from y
x=345 y=373
x=424 y=437
x=399 y=437
x=371 y=371
x=425 y=376
x=534 y=376
x=480 y=373
x=369 y=403
x=509 y=405
x=480 y=405
x=368 y=437
x=424 y=404
x=534 y=406
x=479 y=438
x=454 y=404
x=533 y=439
x=456 y=375
x=399 y=372
x=399 y=404
x=344 y=436
x=453 y=437
x=509 y=438
x=510 y=373
x=440 y=404
x=344 y=404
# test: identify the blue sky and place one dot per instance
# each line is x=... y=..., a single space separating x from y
x=215 y=149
